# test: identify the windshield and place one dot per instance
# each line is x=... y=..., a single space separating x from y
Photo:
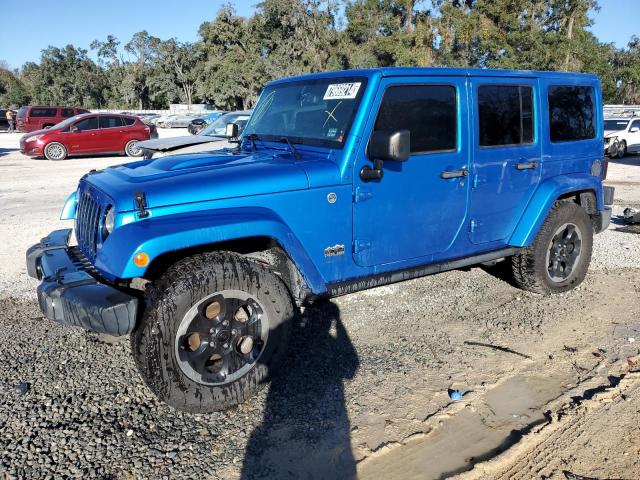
x=66 y=122
x=615 y=124
x=309 y=112
x=218 y=127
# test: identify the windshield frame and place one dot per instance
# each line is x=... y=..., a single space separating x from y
x=616 y=120
x=311 y=141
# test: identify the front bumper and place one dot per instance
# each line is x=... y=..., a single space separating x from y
x=69 y=295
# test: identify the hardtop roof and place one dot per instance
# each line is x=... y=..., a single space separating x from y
x=439 y=71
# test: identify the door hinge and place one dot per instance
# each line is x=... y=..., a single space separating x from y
x=362 y=194
x=360 y=246
x=472 y=226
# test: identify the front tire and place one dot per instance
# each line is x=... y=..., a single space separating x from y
x=132 y=149
x=215 y=326
x=55 y=151
x=559 y=257
x=622 y=149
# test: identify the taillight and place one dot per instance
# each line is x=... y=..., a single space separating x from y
x=605 y=168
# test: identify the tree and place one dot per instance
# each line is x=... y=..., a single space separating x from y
x=179 y=69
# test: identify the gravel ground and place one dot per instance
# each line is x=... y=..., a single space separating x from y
x=365 y=380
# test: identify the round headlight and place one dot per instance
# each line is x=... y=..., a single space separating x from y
x=109 y=221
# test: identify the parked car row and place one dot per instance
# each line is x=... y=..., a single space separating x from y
x=212 y=137
x=58 y=132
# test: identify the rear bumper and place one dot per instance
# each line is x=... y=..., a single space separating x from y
x=68 y=294
x=603 y=218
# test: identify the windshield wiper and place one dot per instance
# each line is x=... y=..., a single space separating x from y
x=252 y=137
x=292 y=149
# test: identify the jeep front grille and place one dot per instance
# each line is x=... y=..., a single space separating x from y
x=87 y=222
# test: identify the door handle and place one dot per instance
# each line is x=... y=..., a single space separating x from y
x=526 y=165
x=463 y=172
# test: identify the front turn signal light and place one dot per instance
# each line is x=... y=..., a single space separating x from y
x=141 y=259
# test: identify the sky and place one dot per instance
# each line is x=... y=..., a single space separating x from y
x=31 y=26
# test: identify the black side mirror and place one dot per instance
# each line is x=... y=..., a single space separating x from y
x=73 y=128
x=232 y=130
x=386 y=146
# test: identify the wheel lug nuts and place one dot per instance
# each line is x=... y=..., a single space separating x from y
x=211 y=331
x=226 y=345
x=234 y=331
x=225 y=322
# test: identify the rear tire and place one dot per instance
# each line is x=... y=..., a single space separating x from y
x=559 y=257
x=132 y=149
x=188 y=346
x=55 y=151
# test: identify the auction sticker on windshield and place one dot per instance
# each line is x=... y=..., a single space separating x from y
x=341 y=91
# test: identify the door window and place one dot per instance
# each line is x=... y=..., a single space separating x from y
x=128 y=121
x=110 y=122
x=43 y=112
x=505 y=115
x=90 y=123
x=429 y=112
x=635 y=124
x=572 y=113
x=67 y=112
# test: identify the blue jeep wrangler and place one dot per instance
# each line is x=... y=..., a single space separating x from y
x=341 y=181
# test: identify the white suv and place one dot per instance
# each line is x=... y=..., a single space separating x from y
x=621 y=136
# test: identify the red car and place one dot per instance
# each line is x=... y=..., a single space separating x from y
x=32 y=118
x=87 y=134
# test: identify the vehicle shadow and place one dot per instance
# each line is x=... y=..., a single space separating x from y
x=7 y=151
x=305 y=431
x=630 y=159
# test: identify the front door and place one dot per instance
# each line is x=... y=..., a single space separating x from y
x=418 y=208
x=506 y=155
x=86 y=137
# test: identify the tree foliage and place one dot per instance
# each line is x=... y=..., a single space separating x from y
x=235 y=56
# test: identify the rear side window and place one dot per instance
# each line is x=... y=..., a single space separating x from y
x=22 y=113
x=90 y=123
x=429 y=112
x=110 y=122
x=81 y=110
x=572 y=113
x=505 y=115
x=67 y=112
x=43 y=112
x=635 y=124
x=128 y=121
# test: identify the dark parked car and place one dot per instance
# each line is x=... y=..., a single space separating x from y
x=88 y=133
x=32 y=118
x=199 y=123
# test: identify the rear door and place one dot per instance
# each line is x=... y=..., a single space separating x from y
x=86 y=139
x=111 y=133
x=414 y=211
x=506 y=155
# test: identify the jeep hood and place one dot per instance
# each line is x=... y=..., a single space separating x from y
x=189 y=178
x=167 y=144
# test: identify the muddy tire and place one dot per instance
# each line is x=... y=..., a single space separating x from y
x=215 y=326
x=55 y=151
x=559 y=257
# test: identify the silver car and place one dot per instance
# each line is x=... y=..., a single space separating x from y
x=212 y=137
